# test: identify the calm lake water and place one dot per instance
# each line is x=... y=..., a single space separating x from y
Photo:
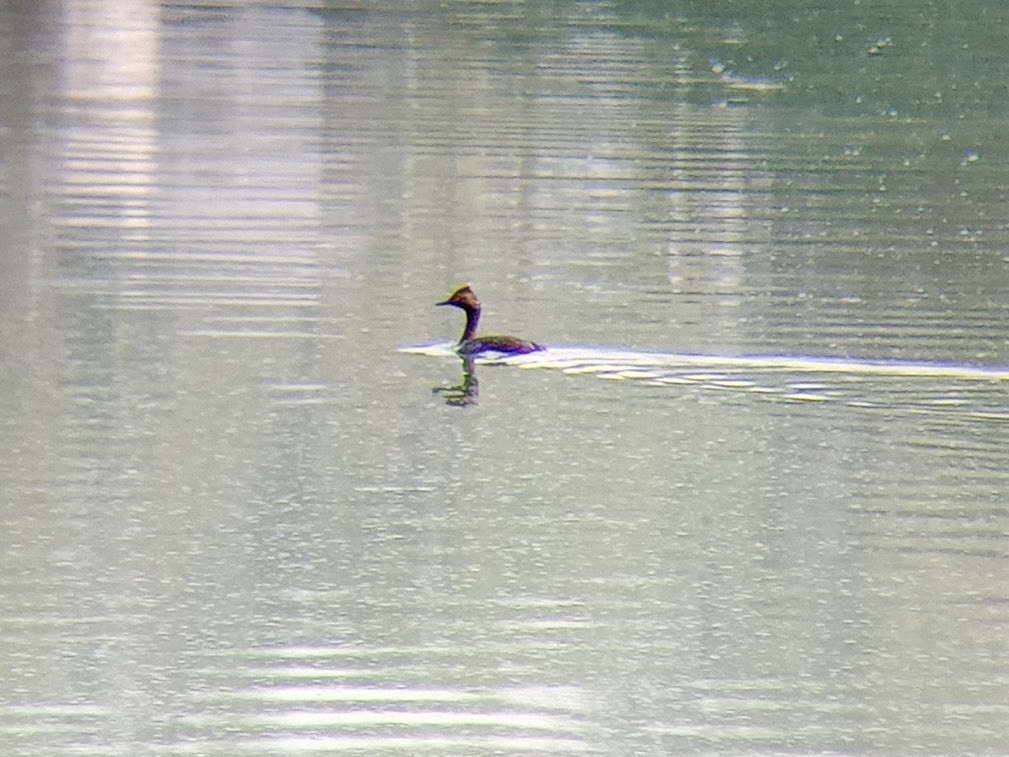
x=753 y=499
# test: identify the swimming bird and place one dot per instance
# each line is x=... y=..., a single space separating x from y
x=470 y=344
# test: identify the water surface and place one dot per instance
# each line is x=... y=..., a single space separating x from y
x=236 y=519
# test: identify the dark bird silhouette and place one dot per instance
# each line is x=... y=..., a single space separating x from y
x=469 y=343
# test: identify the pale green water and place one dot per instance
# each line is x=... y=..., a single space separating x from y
x=235 y=519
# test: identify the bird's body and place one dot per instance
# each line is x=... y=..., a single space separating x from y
x=470 y=344
x=509 y=344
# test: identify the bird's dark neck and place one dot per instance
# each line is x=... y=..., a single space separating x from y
x=472 y=319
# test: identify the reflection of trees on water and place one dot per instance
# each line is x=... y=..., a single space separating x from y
x=465 y=393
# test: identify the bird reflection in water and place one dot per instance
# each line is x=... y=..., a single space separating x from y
x=464 y=394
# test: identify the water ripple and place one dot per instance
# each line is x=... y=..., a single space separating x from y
x=331 y=698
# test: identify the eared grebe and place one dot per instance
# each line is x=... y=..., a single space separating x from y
x=465 y=300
